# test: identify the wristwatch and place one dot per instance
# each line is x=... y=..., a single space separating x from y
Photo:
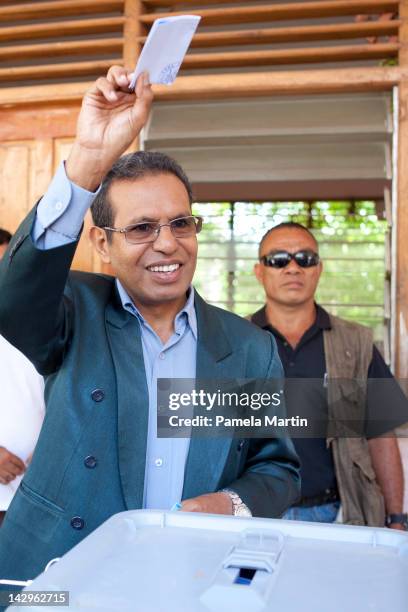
x=238 y=506
x=397 y=519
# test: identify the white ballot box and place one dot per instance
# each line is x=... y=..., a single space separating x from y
x=152 y=561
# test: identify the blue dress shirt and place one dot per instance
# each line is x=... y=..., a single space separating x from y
x=165 y=457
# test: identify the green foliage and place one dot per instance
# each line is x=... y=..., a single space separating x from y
x=352 y=247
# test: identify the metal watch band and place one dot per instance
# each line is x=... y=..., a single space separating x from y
x=238 y=506
x=397 y=519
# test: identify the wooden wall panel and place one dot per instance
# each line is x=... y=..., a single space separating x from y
x=38 y=122
x=14 y=171
x=40 y=170
x=25 y=170
x=33 y=142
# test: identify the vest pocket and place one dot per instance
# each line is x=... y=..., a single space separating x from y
x=363 y=462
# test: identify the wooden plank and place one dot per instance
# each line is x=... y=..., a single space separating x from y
x=132 y=32
x=167 y=3
x=25 y=172
x=40 y=169
x=71 y=28
x=403 y=54
x=26 y=96
x=302 y=82
x=132 y=46
x=116 y=45
x=47 y=122
x=65 y=48
x=86 y=258
x=210 y=60
x=225 y=86
x=204 y=39
x=14 y=181
x=16 y=2
x=294 y=34
x=56 y=71
x=235 y=59
x=276 y=12
x=400 y=233
x=170 y=3
x=59 y=8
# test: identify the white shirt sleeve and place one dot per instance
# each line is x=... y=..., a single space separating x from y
x=22 y=410
x=60 y=212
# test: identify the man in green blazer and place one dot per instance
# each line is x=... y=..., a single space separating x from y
x=102 y=342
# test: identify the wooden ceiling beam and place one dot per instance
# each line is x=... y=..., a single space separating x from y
x=153 y=4
x=57 y=71
x=65 y=48
x=236 y=59
x=53 y=30
x=59 y=8
x=294 y=34
x=191 y=62
x=171 y=3
x=283 y=11
x=227 y=86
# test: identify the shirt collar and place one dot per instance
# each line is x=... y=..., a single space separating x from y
x=188 y=309
x=322 y=320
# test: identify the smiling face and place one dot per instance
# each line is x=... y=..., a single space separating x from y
x=158 y=272
x=292 y=285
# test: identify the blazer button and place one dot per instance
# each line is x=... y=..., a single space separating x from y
x=77 y=522
x=240 y=445
x=90 y=462
x=98 y=395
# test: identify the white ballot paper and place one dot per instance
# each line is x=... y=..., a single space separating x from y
x=165 y=48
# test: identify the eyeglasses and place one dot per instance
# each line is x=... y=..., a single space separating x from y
x=281 y=259
x=148 y=231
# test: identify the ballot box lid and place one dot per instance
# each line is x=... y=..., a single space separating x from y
x=153 y=561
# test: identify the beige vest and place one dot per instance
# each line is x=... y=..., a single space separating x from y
x=348 y=350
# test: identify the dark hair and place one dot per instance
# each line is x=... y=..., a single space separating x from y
x=132 y=167
x=5 y=236
x=287 y=225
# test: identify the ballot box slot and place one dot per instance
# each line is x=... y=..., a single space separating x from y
x=248 y=573
x=245 y=576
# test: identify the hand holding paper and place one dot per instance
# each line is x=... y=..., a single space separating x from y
x=111 y=118
x=165 y=48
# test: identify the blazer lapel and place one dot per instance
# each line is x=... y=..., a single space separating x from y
x=124 y=336
x=207 y=456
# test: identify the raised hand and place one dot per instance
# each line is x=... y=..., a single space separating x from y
x=111 y=118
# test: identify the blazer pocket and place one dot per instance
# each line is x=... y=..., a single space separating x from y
x=36 y=498
x=33 y=516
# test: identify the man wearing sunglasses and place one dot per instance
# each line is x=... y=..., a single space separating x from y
x=362 y=475
x=103 y=342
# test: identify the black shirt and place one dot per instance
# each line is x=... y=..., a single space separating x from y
x=307 y=360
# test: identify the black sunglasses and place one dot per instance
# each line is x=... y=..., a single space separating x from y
x=281 y=259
